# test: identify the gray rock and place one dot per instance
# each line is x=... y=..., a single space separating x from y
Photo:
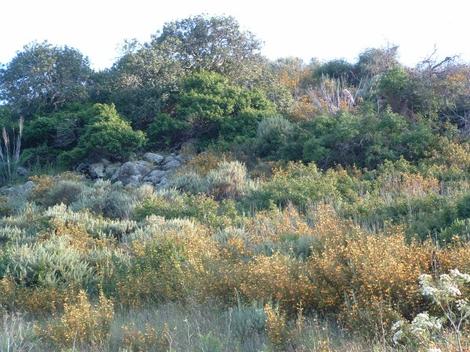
x=132 y=172
x=163 y=183
x=96 y=170
x=134 y=180
x=21 y=191
x=105 y=162
x=82 y=168
x=155 y=176
x=171 y=163
x=154 y=158
x=111 y=169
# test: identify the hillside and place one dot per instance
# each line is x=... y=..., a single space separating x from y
x=197 y=196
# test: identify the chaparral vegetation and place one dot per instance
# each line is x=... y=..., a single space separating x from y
x=197 y=196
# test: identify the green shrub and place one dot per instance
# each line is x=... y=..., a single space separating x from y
x=207 y=108
x=156 y=273
x=298 y=184
x=173 y=206
x=51 y=263
x=365 y=140
x=190 y=182
x=337 y=69
x=272 y=134
x=46 y=136
x=106 y=199
x=459 y=229
x=463 y=207
x=106 y=136
x=229 y=180
x=166 y=131
x=395 y=86
x=64 y=191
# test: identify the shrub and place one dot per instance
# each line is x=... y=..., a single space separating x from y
x=81 y=323
x=449 y=294
x=146 y=339
x=276 y=328
x=210 y=107
x=190 y=182
x=206 y=161
x=166 y=131
x=51 y=263
x=341 y=140
x=299 y=184
x=47 y=136
x=229 y=180
x=395 y=86
x=118 y=205
x=337 y=69
x=107 y=135
x=106 y=199
x=247 y=321
x=272 y=134
x=200 y=207
x=351 y=271
x=221 y=179
x=64 y=191
x=155 y=275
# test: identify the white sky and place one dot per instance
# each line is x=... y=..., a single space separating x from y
x=324 y=29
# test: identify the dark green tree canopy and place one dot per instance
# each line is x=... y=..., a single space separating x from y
x=208 y=43
x=147 y=73
x=209 y=106
x=43 y=78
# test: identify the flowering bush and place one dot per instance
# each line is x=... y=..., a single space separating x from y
x=81 y=323
x=450 y=294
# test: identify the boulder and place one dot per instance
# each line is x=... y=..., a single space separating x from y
x=171 y=162
x=155 y=176
x=132 y=172
x=20 y=191
x=82 y=168
x=154 y=158
x=96 y=170
x=163 y=183
x=111 y=169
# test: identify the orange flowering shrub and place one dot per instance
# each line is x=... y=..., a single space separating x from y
x=278 y=278
x=204 y=162
x=455 y=256
x=81 y=323
x=35 y=300
x=355 y=270
x=273 y=225
x=303 y=109
x=276 y=328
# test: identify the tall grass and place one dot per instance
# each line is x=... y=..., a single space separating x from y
x=10 y=152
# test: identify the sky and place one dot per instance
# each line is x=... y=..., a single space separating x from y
x=323 y=29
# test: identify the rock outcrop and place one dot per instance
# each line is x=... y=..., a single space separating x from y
x=154 y=169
